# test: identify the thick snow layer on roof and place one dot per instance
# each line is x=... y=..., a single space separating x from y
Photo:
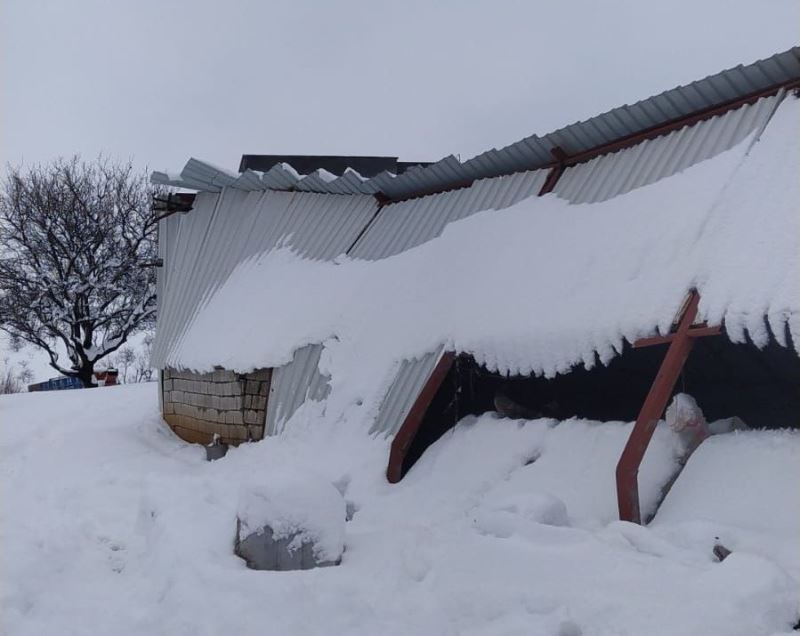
x=538 y=287
x=110 y=525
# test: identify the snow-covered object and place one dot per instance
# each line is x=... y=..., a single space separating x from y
x=684 y=413
x=747 y=479
x=305 y=511
x=685 y=417
x=576 y=281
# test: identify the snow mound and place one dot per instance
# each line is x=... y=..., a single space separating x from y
x=747 y=479
x=505 y=516
x=576 y=462
x=306 y=509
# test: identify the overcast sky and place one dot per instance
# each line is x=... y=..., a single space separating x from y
x=159 y=81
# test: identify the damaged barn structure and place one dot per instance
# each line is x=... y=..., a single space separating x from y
x=670 y=279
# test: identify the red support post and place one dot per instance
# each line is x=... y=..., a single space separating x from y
x=652 y=409
x=408 y=430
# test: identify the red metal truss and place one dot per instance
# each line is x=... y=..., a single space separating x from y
x=680 y=344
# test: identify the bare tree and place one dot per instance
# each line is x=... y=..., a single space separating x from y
x=73 y=239
x=125 y=357
x=14 y=380
x=143 y=370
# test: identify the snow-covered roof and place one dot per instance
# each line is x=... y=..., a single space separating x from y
x=335 y=290
x=531 y=153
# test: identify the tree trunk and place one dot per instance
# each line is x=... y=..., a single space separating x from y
x=85 y=374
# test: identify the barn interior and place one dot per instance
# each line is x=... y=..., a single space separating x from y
x=760 y=386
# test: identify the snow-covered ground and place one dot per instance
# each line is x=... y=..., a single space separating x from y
x=110 y=525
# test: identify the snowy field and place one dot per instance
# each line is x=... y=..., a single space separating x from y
x=111 y=525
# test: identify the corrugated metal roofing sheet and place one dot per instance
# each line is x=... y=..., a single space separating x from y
x=190 y=236
x=199 y=175
x=527 y=154
x=401 y=226
x=225 y=229
x=408 y=382
x=610 y=175
x=293 y=384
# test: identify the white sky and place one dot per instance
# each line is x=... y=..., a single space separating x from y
x=159 y=80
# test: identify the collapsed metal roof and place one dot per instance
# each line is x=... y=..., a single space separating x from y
x=530 y=153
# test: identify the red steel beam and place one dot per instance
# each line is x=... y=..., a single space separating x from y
x=652 y=409
x=408 y=430
x=695 y=331
x=555 y=172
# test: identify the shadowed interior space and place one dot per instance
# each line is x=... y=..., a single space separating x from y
x=760 y=386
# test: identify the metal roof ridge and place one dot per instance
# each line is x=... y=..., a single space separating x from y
x=533 y=152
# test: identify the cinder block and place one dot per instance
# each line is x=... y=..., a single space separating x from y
x=263 y=389
x=229 y=403
x=214 y=427
x=180 y=409
x=260 y=374
x=259 y=403
x=223 y=375
x=253 y=417
x=234 y=417
x=239 y=433
x=228 y=388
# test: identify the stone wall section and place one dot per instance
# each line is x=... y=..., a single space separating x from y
x=232 y=405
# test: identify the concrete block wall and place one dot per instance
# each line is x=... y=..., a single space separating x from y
x=232 y=405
